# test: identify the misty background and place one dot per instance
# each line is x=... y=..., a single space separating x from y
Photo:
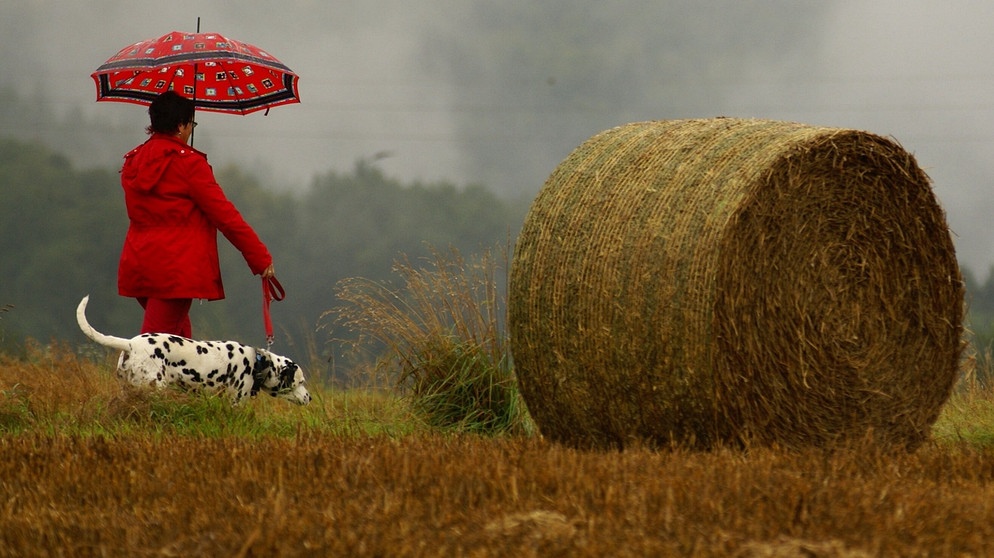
x=496 y=94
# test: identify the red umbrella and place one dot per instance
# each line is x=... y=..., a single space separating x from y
x=232 y=76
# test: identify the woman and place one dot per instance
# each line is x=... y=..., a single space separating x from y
x=176 y=208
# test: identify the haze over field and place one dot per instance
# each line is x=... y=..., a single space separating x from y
x=498 y=93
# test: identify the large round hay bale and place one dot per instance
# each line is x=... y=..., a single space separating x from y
x=728 y=280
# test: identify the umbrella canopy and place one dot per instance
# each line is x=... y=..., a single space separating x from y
x=231 y=76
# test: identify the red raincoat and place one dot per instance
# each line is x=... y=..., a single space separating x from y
x=176 y=208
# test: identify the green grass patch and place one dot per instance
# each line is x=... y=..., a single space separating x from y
x=52 y=391
x=967 y=418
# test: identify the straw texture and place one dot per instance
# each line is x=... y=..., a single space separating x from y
x=728 y=280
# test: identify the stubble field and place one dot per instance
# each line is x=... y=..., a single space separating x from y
x=91 y=469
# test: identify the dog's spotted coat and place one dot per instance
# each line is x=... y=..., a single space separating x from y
x=222 y=367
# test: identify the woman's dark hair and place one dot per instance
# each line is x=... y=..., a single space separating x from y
x=168 y=112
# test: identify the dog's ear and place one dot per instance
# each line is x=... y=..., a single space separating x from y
x=287 y=376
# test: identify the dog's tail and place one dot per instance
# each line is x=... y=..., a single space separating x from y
x=106 y=340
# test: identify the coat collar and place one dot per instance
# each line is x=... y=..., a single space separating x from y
x=175 y=141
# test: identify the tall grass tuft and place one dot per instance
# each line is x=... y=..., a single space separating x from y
x=440 y=339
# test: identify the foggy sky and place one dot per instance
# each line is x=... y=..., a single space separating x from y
x=919 y=71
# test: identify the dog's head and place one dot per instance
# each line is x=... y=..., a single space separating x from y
x=280 y=377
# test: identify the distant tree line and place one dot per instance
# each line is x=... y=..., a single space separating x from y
x=62 y=228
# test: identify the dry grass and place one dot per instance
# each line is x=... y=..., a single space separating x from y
x=470 y=496
x=335 y=483
x=440 y=339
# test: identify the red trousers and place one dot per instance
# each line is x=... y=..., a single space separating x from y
x=167 y=315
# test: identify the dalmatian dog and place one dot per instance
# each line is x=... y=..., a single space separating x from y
x=219 y=367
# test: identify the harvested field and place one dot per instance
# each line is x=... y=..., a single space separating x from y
x=353 y=476
x=470 y=496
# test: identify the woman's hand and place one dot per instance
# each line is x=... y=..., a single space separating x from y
x=269 y=272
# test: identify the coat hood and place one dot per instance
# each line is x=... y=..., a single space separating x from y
x=145 y=164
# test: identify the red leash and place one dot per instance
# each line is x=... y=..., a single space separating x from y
x=271 y=290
